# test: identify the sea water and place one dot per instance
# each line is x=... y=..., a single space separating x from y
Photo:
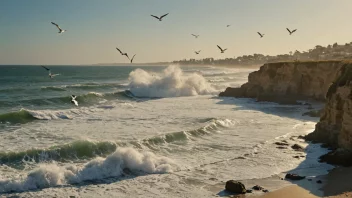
x=138 y=131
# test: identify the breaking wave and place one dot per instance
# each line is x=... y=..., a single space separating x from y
x=172 y=82
x=114 y=165
x=84 y=149
x=24 y=116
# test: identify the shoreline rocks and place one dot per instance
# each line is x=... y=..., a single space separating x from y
x=297 y=147
x=235 y=187
x=294 y=176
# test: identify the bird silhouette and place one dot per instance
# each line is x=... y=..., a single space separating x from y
x=160 y=18
x=58 y=27
x=291 y=32
x=260 y=34
x=222 y=50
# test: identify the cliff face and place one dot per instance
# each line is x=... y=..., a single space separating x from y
x=288 y=81
x=335 y=125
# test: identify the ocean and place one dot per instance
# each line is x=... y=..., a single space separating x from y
x=151 y=131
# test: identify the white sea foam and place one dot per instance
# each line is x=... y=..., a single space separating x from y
x=172 y=82
x=49 y=175
x=52 y=115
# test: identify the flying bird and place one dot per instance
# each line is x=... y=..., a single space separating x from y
x=260 y=34
x=58 y=27
x=160 y=18
x=123 y=54
x=50 y=74
x=291 y=32
x=222 y=50
x=197 y=52
x=196 y=36
x=132 y=58
x=228 y=25
x=73 y=100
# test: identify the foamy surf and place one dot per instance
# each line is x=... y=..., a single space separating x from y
x=210 y=139
x=84 y=149
x=172 y=82
x=114 y=165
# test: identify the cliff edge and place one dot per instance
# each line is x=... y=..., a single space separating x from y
x=335 y=125
x=286 y=82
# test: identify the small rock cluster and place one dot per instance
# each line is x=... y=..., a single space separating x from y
x=237 y=187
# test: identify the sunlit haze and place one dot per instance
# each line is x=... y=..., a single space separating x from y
x=95 y=28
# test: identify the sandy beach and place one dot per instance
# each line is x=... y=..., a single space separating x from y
x=335 y=185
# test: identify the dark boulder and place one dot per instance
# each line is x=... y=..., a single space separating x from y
x=257 y=187
x=301 y=137
x=265 y=190
x=249 y=191
x=281 y=143
x=294 y=176
x=297 y=147
x=232 y=92
x=235 y=187
x=319 y=182
x=281 y=147
x=296 y=156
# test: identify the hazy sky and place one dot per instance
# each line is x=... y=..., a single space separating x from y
x=95 y=28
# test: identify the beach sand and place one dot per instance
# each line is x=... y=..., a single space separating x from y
x=337 y=184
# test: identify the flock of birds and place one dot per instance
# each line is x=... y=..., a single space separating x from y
x=160 y=19
x=73 y=97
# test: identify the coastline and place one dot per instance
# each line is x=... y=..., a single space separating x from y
x=287 y=83
x=335 y=184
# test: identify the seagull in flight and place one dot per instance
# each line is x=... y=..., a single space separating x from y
x=58 y=27
x=50 y=74
x=291 y=32
x=197 y=52
x=196 y=36
x=160 y=18
x=132 y=58
x=228 y=25
x=123 y=54
x=73 y=100
x=260 y=34
x=222 y=50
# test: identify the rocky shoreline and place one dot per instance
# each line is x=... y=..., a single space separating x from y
x=291 y=82
x=325 y=81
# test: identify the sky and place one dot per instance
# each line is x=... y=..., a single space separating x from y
x=96 y=28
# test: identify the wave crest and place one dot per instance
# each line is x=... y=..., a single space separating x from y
x=171 y=83
x=50 y=175
x=84 y=149
x=24 y=116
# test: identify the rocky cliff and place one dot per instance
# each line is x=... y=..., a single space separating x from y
x=330 y=81
x=286 y=82
x=335 y=125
